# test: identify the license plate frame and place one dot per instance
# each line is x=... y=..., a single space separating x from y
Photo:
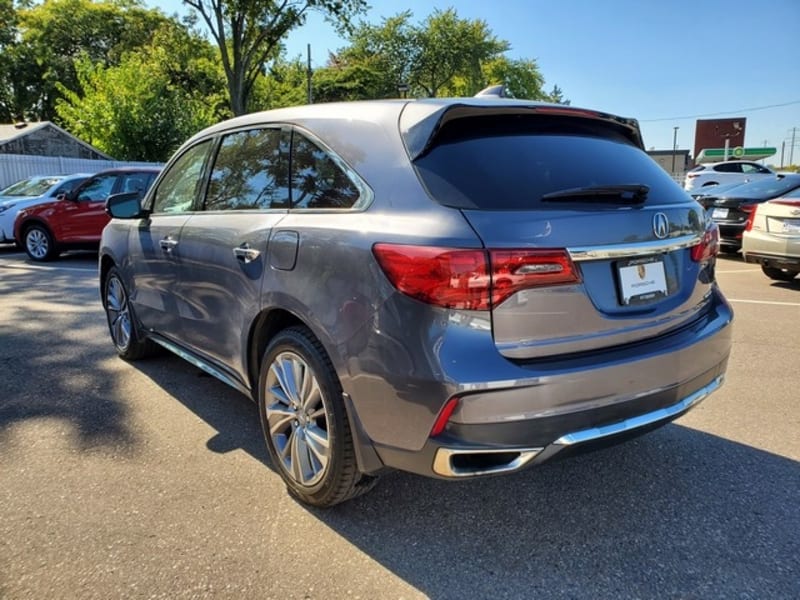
x=641 y=280
x=719 y=213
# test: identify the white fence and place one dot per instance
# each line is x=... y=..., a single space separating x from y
x=14 y=167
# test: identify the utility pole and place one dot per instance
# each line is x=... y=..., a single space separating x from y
x=674 y=146
x=791 y=148
x=308 y=75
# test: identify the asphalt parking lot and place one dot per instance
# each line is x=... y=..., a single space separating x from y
x=152 y=480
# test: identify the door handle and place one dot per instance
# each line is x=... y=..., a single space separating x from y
x=168 y=244
x=245 y=253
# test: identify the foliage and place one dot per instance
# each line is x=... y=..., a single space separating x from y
x=54 y=34
x=144 y=107
x=444 y=55
x=248 y=34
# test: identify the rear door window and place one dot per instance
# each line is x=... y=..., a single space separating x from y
x=250 y=172
x=510 y=163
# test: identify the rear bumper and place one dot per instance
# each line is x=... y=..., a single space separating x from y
x=791 y=263
x=571 y=404
x=451 y=457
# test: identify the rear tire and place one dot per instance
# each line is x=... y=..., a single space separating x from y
x=39 y=243
x=305 y=422
x=779 y=274
x=129 y=341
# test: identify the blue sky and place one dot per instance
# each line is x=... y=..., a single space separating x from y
x=664 y=63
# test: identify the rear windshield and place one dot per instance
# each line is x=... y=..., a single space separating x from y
x=509 y=163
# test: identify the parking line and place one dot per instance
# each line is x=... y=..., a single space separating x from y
x=740 y=271
x=763 y=302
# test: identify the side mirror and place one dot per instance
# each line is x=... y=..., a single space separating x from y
x=125 y=206
x=62 y=196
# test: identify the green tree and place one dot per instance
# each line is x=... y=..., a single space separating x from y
x=53 y=35
x=442 y=55
x=148 y=104
x=248 y=34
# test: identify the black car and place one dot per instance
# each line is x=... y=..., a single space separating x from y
x=731 y=208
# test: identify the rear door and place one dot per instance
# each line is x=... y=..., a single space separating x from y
x=583 y=189
x=223 y=248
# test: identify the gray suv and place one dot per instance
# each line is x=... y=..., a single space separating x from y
x=454 y=288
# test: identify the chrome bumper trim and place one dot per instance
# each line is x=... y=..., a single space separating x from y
x=596 y=433
x=443 y=463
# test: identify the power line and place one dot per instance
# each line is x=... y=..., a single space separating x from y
x=717 y=114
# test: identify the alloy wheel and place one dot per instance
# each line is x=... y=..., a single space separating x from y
x=297 y=418
x=119 y=316
x=37 y=243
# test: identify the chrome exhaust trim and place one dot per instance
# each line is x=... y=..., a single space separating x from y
x=443 y=463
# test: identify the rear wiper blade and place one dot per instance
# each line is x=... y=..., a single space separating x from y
x=620 y=194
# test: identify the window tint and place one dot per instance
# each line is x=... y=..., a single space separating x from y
x=249 y=172
x=728 y=168
x=97 y=189
x=180 y=185
x=136 y=182
x=509 y=163
x=317 y=181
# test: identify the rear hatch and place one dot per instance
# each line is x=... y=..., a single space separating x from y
x=591 y=243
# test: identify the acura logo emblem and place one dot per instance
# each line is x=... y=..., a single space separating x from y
x=660 y=225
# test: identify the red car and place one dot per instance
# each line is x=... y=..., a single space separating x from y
x=76 y=220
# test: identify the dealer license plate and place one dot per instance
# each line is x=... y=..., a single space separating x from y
x=642 y=280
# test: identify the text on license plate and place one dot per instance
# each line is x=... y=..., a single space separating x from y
x=641 y=281
x=719 y=213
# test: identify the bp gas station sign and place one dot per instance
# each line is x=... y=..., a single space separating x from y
x=719 y=154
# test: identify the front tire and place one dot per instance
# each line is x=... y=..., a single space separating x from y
x=128 y=339
x=39 y=243
x=305 y=423
x=778 y=274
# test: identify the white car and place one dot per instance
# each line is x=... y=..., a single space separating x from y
x=772 y=237
x=730 y=171
x=30 y=192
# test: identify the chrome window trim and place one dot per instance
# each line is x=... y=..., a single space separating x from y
x=586 y=253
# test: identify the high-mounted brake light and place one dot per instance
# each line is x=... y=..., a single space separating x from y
x=795 y=203
x=471 y=279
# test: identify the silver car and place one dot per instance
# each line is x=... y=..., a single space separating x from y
x=454 y=288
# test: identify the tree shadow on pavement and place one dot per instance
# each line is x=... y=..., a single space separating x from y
x=52 y=349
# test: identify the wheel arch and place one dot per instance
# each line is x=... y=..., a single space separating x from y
x=106 y=262
x=30 y=222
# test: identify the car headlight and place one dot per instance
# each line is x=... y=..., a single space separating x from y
x=5 y=207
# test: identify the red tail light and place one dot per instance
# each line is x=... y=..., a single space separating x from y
x=750 y=209
x=471 y=279
x=708 y=246
x=444 y=417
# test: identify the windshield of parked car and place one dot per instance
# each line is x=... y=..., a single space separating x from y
x=510 y=163
x=35 y=186
x=765 y=188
